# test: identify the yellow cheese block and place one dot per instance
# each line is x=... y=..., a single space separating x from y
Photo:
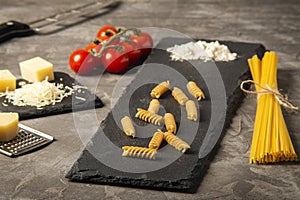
x=36 y=69
x=8 y=126
x=7 y=80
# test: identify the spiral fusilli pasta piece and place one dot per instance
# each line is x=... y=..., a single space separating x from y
x=146 y=116
x=127 y=126
x=170 y=123
x=154 y=106
x=195 y=90
x=191 y=110
x=140 y=152
x=160 y=89
x=179 y=96
x=156 y=140
x=176 y=142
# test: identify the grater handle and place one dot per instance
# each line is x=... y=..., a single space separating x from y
x=12 y=29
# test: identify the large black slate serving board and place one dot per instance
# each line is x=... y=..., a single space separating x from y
x=101 y=161
x=68 y=104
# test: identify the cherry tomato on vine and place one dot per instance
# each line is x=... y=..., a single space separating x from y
x=144 y=42
x=90 y=46
x=82 y=62
x=115 y=41
x=131 y=49
x=106 y=32
x=98 y=48
x=115 y=61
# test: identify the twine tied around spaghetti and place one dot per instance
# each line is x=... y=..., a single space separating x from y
x=268 y=90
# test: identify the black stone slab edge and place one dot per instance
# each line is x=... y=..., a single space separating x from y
x=88 y=169
x=66 y=106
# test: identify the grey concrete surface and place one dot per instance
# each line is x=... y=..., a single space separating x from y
x=275 y=24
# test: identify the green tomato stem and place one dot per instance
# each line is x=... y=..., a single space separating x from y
x=107 y=45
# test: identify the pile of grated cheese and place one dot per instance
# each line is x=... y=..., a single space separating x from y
x=38 y=94
x=201 y=50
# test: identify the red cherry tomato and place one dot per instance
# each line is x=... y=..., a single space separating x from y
x=115 y=61
x=144 y=42
x=132 y=51
x=106 y=32
x=82 y=62
x=90 y=46
x=98 y=48
x=115 y=41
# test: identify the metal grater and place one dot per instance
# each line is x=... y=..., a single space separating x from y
x=27 y=140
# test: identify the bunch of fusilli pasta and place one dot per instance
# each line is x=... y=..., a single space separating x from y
x=150 y=115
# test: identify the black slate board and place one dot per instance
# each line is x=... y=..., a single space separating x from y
x=101 y=161
x=68 y=104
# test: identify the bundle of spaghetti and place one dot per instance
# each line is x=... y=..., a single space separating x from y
x=271 y=141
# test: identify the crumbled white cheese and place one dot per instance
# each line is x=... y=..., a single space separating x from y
x=201 y=50
x=38 y=94
x=76 y=87
x=22 y=83
x=80 y=98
